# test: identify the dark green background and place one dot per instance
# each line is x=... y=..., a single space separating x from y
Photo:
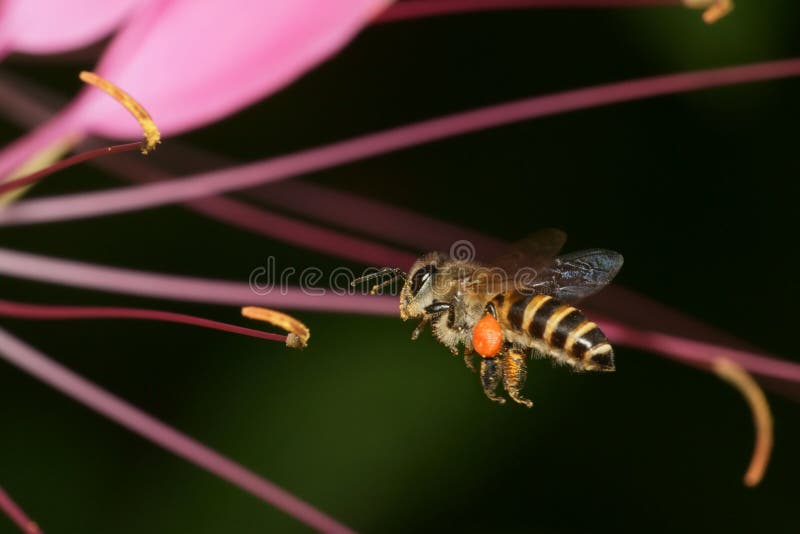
x=698 y=191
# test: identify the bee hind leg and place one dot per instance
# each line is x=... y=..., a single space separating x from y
x=514 y=374
x=491 y=375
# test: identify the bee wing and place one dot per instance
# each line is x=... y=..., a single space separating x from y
x=577 y=275
x=535 y=251
x=530 y=255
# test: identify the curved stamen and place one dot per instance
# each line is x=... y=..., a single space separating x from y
x=762 y=416
x=152 y=137
x=298 y=332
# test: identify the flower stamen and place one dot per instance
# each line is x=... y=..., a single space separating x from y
x=735 y=375
x=65 y=163
x=152 y=136
x=24 y=310
x=714 y=9
x=298 y=332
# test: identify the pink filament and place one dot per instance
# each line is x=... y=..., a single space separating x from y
x=211 y=183
x=185 y=288
x=65 y=163
x=61 y=126
x=40 y=311
x=697 y=352
x=38 y=365
x=300 y=233
x=338 y=209
x=17 y=514
x=414 y=9
x=374 y=218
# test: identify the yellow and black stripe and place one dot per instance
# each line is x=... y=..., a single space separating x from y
x=561 y=326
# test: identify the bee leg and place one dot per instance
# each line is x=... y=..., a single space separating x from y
x=491 y=375
x=514 y=374
x=469 y=360
x=421 y=326
x=432 y=311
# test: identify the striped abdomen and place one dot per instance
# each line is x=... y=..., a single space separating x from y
x=555 y=328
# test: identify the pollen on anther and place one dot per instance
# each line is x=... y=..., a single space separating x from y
x=152 y=136
x=298 y=332
x=713 y=9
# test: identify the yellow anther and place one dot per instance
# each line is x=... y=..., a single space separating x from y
x=151 y=134
x=714 y=9
x=298 y=332
x=735 y=375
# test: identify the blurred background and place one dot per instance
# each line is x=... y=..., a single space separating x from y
x=698 y=191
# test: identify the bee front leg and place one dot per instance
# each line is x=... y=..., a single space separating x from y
x=421 y=326
x=514 y=373
x=431 y=312
x=491 y=375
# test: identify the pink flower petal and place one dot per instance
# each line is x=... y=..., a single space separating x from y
x=50 y=26
x=190 y=63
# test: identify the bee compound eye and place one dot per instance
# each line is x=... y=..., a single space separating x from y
x=421 y=276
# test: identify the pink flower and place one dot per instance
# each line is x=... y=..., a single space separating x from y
x=174 y=56
x=170 y=56
x=47 y=27
x=185 y=71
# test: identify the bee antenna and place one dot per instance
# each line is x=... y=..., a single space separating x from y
x=393 y=271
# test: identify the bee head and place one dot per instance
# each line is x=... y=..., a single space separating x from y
x=418 y=290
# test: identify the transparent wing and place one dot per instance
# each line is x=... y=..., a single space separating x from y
x=577 y=275
x=527 y=256
x=534 y=251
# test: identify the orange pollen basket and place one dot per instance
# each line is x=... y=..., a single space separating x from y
x=487 y=337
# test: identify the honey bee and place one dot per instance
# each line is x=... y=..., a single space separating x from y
x=514 y=308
